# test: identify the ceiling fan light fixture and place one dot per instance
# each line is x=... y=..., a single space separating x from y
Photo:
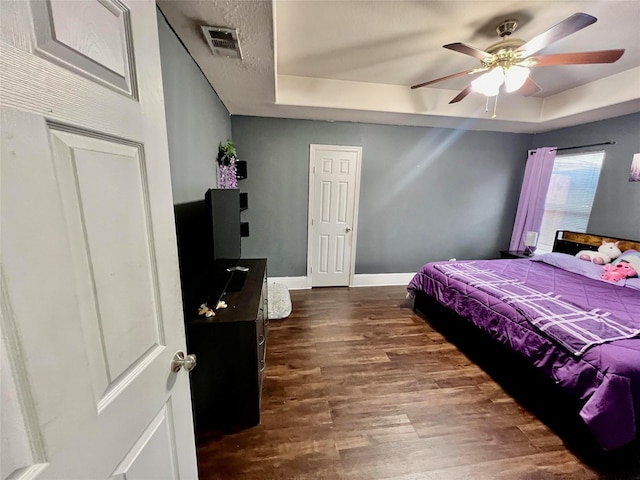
x=514 y=77
x=508 y=61
x=489 y=83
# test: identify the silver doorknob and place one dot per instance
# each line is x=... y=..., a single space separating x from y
x=181 y=360
x=347 y=230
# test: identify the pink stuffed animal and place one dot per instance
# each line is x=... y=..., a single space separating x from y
x=619 y=271
x=605 y=254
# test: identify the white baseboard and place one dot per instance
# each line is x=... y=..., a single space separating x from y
x=360 y=280
x=381 y=279
x=292 y=283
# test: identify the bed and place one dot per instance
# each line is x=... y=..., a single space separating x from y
x=555 y=311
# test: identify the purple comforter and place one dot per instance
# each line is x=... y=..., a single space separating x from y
x=605 y=378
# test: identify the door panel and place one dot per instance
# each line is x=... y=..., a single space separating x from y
x=325 y=202
x=342 y=204
x=152 y=456
x=102 y=184
x=92 y=38
x=323 y=254
x=91 y=309
x=333 y=186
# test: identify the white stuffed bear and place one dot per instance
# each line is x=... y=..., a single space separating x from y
x=605 y=254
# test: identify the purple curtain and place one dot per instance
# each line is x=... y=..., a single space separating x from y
x=537 y=175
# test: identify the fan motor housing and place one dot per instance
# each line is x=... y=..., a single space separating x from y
x=506 y=28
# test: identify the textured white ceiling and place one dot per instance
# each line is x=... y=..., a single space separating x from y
x=354 y=60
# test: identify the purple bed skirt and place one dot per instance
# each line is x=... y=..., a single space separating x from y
x=605 y=379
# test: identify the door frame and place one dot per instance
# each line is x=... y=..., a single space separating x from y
x=313 y=147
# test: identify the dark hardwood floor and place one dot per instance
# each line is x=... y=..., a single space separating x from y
x=358 y=386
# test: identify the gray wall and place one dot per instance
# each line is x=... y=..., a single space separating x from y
x=425 y=193
x=616 y=207
x=196 y=119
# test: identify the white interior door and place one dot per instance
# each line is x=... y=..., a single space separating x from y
x=334 y=182
x=91 y=308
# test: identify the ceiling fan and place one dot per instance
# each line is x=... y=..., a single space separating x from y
x=508 y=61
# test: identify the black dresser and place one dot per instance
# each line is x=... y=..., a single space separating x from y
x=231 y=353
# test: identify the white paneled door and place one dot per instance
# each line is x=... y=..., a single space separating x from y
x=333 y=204
x=91 y=308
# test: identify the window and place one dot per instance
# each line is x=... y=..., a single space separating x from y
x=572 y=188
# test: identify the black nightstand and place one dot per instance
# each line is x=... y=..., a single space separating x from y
x=513 y=254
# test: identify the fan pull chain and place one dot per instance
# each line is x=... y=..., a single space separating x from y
x=486 y=107
x=495 y=107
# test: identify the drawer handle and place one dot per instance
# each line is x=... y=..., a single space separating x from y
x=263 y=365
x=262 y=339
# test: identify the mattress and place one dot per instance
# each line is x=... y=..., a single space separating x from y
x=604 y=376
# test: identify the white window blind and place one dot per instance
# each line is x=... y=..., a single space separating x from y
x=574 y=180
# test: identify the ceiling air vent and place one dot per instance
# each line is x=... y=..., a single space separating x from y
x=223 y=41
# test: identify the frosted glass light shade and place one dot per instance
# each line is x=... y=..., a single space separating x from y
x=489 y=83
x=515 y=77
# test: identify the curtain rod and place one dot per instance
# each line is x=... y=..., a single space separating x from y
x=612 y=142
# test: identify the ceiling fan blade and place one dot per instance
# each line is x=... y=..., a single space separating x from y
x=461 y=95
x=576 y=58
x=454 y=75
x=529 y=88
x=468 y=50
x=569 y=25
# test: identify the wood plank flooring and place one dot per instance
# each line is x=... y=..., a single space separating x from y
x=358 y=386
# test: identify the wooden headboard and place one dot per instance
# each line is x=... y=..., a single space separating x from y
x=573 y=242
